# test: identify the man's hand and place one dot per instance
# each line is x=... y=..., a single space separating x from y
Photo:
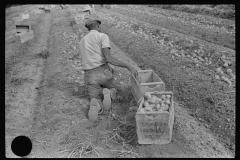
x=133 y=71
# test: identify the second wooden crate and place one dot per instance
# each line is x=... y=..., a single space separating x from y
x=147 y=81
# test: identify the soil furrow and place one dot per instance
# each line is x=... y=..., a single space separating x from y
x=25 y=77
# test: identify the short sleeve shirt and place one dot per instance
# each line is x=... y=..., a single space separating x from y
x=91 y=46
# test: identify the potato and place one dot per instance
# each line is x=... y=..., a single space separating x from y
x=154 y=108
x=229 y=70
x=221 y=72
x=147 y=96
x=165 y=107
x=168 y=96
x=225 y=64
x=217 y=77
x=163 y=97
x=233 y=76
x=148 y=109
x=158 y=106
x=168 y=101
x=153 y=99
x=162 y=102
x=219 y=69
x=158 y=101
x=146 y=104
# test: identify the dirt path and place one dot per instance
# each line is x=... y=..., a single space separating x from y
x=54 y=115
x=24 y=70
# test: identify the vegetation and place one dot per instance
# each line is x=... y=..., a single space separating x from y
x=220 y=11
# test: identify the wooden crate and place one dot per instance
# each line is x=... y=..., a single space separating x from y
x=147 y=81
x=155 y=127
x=26 y=36
x=42 y=8
x=79 y=18
x=23 y=28
x=25 y=16
x=86 y=15
x=47 y=10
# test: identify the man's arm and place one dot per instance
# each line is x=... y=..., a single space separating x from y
x=116 y=62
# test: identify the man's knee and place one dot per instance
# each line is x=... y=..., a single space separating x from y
x=95 y=92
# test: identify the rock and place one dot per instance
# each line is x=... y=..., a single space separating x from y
x=219 y=69
x=76 y=89
x=225 y=65
x=217 y=77
x=229 y=70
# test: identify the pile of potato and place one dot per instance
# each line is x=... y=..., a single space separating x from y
x=154 y=103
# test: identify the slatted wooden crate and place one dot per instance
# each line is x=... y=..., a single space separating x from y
x=147 y=81
x=42 y=8
x=47 y=10
x=79 y=18
x=26 y=36
x=155 y=127
x=25 y=16
x=23 y=28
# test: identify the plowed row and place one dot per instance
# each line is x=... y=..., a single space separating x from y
x=175 y=58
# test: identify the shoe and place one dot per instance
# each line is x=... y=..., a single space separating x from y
x=94 y=110
x=109 y=95
x=113 y=93
x=106 y=99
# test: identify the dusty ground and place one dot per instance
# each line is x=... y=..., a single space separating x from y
x=46 y=100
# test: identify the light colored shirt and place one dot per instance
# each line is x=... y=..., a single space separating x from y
x=91 y=46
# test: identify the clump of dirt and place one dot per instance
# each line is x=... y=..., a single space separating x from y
x=44 y=54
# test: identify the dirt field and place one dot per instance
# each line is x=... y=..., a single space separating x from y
x=46 y=99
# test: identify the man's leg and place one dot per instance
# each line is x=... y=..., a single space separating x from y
x=109 y=91
x=95 y=102
x=112 y=87
x=95 y=94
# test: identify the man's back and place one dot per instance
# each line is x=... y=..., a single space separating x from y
x=91 y=49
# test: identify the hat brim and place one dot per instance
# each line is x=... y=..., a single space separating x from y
x=86 y=25
x=99 y=21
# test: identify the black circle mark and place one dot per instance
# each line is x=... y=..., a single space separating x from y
x=21 y=146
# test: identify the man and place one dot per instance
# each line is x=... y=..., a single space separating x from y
x=95 y=56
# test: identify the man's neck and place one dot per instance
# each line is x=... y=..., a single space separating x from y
x=93 y=30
